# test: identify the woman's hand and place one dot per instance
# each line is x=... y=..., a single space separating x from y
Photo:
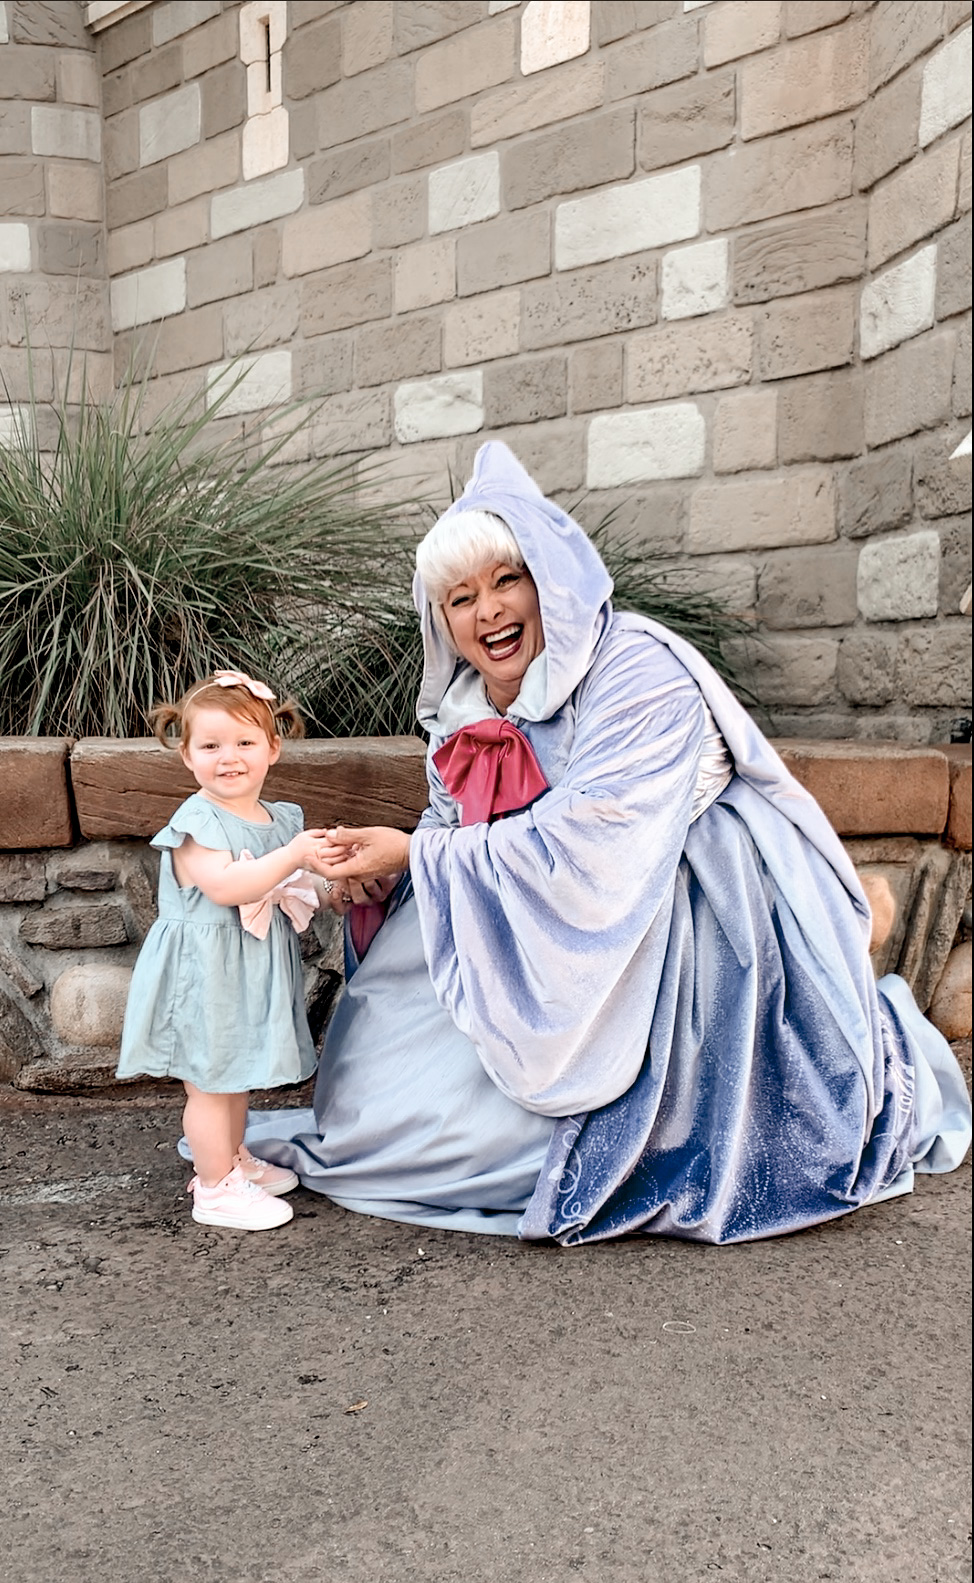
x=373 y=855
x=346 y=893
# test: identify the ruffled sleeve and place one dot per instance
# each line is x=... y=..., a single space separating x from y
x=196 y=818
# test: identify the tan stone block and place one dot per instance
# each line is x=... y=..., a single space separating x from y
x=665 y=55
x=872 y=788
x=792 y=256
x=189 y=340
x=503 y=252
x=88 y=1004
x=223 y=269
x=821 y=418
x=763 y=513
x=125 y=40
x=914 y=203
x=130 y=247
x=352 y=294
x=740 y=28
x=15 y=129
x=267 y=318
x=367 y=36
x=808 y=588
x=699 y=354
x=465 y=65
x=224 y=97
x=312 y=58
x=964 y=179
x=799 y=335
x=425 y=274
x=578 y=305
x=419 y=23
x=212 y=44
x=157 y=72
x=400 y=350
x=958 y=829
x=433 y=141
x=807 y=16
x=596 y=377
x=183 y=228
x=204 y=169
x=399 y=212
x=75 y=192
x=323 y=367
x=27 y=74
x=267 y=256
x=950 y=1008
x=814 y=77
x=614 y=19
x=330 y=233
x=745 y=431
x=67 y=249
x=559 y=94
x=481 y=328
x=35 y=807
x=678 y=123
x=887 y=128
x=78 y=80
x=121 y=144
x=954 y=270
x=785 y=669
x=901 y=30
x=353 y=420
x=909 y=388
x=795 y=170
x=21 y=187
x=377 y=98
x=117 y=91
x=525 y=391
x=58 y=313
x=348 y=169
x=588 y=153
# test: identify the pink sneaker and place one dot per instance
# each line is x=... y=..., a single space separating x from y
x=274 y=1179
x=238 y=1203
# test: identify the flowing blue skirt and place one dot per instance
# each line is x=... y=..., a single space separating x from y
x=756 y=1113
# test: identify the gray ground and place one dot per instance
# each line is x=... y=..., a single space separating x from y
x=177 y=1402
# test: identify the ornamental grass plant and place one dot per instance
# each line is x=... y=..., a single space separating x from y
x=137 y=556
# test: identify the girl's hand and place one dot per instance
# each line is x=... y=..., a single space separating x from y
x=374 y=853
x=307 y=847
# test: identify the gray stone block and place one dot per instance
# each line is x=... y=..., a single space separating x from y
x=820 y=418
x=808 y=588
x=22 y=877
x=942 y=487
x=503 y=252
x=679 y=123
x=348 y=169
x=586 y=303
x=75 y=927
x=876 y=494
x=525 y=390
x=801 y=254
x=583 y=154
x=866 y=668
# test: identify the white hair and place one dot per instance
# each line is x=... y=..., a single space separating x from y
x=459 y=545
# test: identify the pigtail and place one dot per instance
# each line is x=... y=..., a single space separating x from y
x=287 y=719
x=162 y=719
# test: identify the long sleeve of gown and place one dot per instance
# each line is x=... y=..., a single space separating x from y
x=545 y=933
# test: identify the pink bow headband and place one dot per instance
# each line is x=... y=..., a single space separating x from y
x=235 y=679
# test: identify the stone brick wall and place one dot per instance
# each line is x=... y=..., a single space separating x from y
x=53 y=275
x=707 y=262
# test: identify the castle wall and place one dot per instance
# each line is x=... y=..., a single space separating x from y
x=705 y=263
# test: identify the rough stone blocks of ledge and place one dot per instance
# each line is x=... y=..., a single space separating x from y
x=133 y=787
x=874 y=788
x=35 y=804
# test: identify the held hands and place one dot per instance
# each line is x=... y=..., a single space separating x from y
x=364 y=865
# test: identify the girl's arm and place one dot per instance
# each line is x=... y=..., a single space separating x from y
x=230 y=881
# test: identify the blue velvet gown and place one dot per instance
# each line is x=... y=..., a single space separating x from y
x=613 y=1013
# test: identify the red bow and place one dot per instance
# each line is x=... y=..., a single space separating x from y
x=489 y=769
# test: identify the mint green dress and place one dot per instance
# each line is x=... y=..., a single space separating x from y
x=209 y=1003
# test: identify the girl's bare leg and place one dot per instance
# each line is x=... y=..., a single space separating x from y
x=209 y=1122
x=238 y=1106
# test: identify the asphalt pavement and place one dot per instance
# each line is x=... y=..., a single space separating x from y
x=347 y=1400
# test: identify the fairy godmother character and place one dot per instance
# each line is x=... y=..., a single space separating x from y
x=623 y=983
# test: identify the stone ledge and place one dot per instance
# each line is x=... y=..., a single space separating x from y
x=133 y=787
x=873 y=788
x=958 y=832
x=35 y=802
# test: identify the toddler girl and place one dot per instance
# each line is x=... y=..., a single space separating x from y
x=217 y=997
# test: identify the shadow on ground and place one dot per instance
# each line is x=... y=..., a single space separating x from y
x=349 y=1401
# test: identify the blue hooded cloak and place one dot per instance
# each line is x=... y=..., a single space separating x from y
x=611 y=1013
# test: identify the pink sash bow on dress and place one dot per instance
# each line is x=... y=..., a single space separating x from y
x=295 y=896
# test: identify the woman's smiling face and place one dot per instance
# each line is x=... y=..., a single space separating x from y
x=495 y=623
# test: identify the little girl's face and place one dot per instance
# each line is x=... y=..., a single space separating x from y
x=229 y=757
